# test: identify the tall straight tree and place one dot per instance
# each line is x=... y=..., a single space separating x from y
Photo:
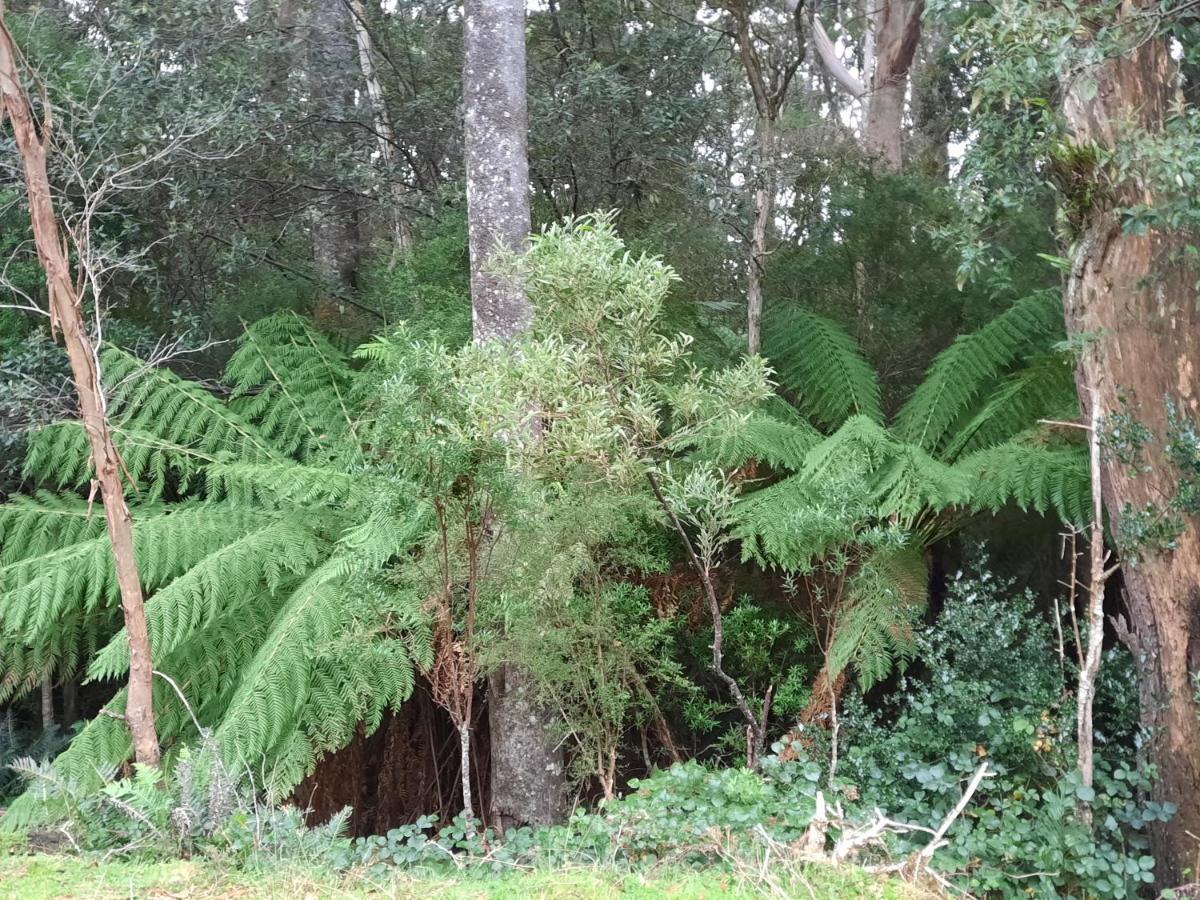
x=66 y=297
x=769 y=58
x=1132 y=297
x=527 y=766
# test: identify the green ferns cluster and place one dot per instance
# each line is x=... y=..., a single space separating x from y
x=855 y=507
x=260 y=537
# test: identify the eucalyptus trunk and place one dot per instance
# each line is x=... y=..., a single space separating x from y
x=1132 y=297
x=897 y=32
x=527 y=765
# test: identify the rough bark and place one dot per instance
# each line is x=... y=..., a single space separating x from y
x=527 y=766
x=66 y=311
x=47 y=703
x=1136 y=301
x=496 y=121
x=332 y=65
x=897 y=31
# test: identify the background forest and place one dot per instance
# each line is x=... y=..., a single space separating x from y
x=731 y=436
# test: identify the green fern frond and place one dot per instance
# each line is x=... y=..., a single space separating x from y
x=764 y=438
x=874 y=630
x=155 y=401
x=816 y=359
x=1043 y=389
x=232 y=576
x=293 y=383
x=44 y=522
x=1045 y=479
x=912 y=483
x=36 y=592
x=964 y=372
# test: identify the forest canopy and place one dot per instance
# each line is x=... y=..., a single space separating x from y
x=451 y=435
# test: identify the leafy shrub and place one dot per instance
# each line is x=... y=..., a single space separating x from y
x=687 y=814
x=992 y=688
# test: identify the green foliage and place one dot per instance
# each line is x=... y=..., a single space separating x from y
x=259 y=545
x=993 y=689
x=963 y=373
x=202 y=807
x=821 y=364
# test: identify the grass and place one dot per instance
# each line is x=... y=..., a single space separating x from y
x=41 y=877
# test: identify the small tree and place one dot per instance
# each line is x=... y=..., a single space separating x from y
x=66 y=296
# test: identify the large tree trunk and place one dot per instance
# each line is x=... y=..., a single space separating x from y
x=333 y=65
x=66 y=311
x=527 y=766
x=897 y=31
x=1135 y=298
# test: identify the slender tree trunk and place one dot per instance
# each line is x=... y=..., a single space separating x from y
x=764 y=201
x=1134 y=297
x=1089 y=670
x=67 y=315
x=70 y=701
x=385 y=135
x=47 y=703
x=527 y=766
x=897 y=31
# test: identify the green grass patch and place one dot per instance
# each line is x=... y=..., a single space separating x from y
x=42 y=877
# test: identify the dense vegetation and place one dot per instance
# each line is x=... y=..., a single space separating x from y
x=796 y=468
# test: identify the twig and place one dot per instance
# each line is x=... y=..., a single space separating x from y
x=922 y=858
x=757 y=733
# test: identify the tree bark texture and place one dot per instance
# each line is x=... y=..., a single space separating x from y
x=67 y=315
x=1134 y=299
x=897 y=31
x=528 y=769
x=333 y=67
x=496 y=122
x=527 y=766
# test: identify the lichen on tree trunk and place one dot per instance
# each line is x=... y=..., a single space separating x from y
x=527 y=764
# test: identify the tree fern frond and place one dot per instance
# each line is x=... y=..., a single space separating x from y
x=178 y=413
x=1046 y=479
x=37 y=592
x=816 y=358
x=1044 y=388
x=781 y=445
x=232 y=576
x=287 y=483
x=964 y=371
x=39 y=524
x=293 y=383
x=912 y=482
x=873 y=631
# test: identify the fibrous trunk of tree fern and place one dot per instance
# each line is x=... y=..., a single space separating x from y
x=1133 y=299
x=527 y=765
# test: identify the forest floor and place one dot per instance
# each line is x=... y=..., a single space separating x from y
x=41 y=877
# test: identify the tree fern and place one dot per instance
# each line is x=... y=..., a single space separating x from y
x=821 y=364
x=874 y=628
x=293 y=383
x=257 y=538
x=966 y=370
x=1043 y=388
x=1044 y=479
